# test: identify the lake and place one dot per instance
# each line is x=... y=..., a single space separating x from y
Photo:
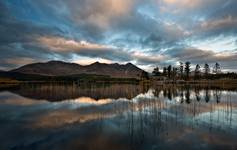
x=117 y=117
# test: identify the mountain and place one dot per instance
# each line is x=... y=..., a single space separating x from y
x=51 y=68
x=60 y=68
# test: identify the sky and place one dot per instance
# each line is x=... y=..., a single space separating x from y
x=147 y=33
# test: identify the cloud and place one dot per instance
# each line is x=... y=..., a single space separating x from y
x=148 y=33
x=88 y=60
x=144 y=59
x=13 y=30
x=220 y=23
x=16 y=54
x=19 y=61
x=100 y=14
x=198 y=56
x=183 y=3
x=83 y=48
x=216 y=43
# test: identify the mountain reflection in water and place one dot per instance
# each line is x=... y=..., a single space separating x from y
x=64 y=116
x=60 y=92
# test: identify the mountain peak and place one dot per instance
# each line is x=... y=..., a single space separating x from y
x=96 y=63
x=129 y=64
x=56 y=62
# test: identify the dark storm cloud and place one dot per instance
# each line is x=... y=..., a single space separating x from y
x=17 y=40
x=148 y=32
x=13 y=30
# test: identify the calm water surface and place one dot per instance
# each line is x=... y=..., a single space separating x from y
x=117 y=117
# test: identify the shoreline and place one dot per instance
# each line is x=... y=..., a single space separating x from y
x=121 y=80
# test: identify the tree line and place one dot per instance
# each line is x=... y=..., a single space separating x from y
x=184 y=72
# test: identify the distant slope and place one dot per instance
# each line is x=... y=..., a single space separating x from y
x=59 y=68
x=51 y=68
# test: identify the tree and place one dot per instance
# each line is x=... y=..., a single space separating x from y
x=165 y=71
x=197 y=72
x=217 y=68
x=174 y=72
x=156 y=71
x=181 y=69
x=169 y=70
x=187 y=69
x=206 y=70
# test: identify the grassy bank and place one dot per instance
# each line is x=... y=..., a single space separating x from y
x=15 y=78
x=221 y=83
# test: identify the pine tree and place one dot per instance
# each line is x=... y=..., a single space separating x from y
x=181 y=69
x=169 y=69
x=187 y=69
x=217 y=68
x=197 y=72
x=206 y=70
x=174 y=72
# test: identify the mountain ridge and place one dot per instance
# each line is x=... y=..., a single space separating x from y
x=61 y=68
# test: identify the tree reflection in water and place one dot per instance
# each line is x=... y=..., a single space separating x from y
x=122 y=117
x=169 y=121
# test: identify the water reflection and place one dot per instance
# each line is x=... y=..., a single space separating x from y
x=60 y=92
x=117 y=117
